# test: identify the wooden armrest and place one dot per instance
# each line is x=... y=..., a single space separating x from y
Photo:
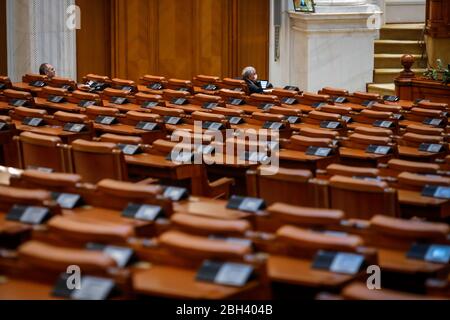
x=148 y=181
x=379 y=132
x=316 y=97
x=150 y=78
x=264 y=98
x=29 y=112
x=171 y=112
x=335 y=109
x=114 y=138
x=54 y=91
x=123 y=82
x=51 y=179
x=367 y=96
x=419 y=138
x=93 y=147
x=376 y=114
x=284 y=93
x=267 y=117
x=148 y=97
x=318 y=133
x=324 y=116
x=424 y=130
x=364 y=139
x=427 y=112
x=210 y=225
x=6 y=119
x=433 y=105
x=89 y=230
x=202 y=247
x=284 y=174
x=221 y=188
x=179 y=82
x=207 y=98
x=164 y=146
x=30 y=77
x=301 y=215
x=80 y=95
x=307 y=141
x=359 y=291
x=204 y=78
x=413 y=229
x=98 y=78
x=14 y=94
x=314 y=240
x=56 y=258
x=285 y=111
x=203 y=116
x=351 y=184
x=70 y=117
x=128 y=190
x=102 y=111
x=415 y=167
x=412 y=179
x=23 y=196
x=349 y=171
x=386 y=108
x=228 y=112
x=334 y=91
x=142 y=116
x=109 y=92
x=233 y=82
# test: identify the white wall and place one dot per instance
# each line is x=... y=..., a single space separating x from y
x=279 y=70
x=37 y=33
x=405 y=11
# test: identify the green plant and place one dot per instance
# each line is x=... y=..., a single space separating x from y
x=438 y=74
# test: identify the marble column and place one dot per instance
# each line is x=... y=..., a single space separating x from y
x=333 y=46
x=37 y=33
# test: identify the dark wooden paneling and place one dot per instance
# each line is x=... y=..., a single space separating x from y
x=176 y=38
x=3 y=43
x=253 y=36
x=438 y=18
x=94 y=38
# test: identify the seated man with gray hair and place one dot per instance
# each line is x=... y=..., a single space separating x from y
x=250 y=76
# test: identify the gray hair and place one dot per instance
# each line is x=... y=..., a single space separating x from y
x=247 y=72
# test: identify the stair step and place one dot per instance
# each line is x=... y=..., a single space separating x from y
x=407 y=31
x=399 y=46
x=388 y=75
x=385 y=89
x=385 y=60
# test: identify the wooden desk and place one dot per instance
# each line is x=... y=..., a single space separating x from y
x=51 y=107
x=357 y=157
x=57 y=131
x=209 y=208
x=413 y=154
x=157 y=166
x=148 y=137
x=420 y=88
x=22 y=86
x=17 y=289
x=300 y=273
x=176 y=283
x=300 y=160
x=414 y=204
x=396 y=261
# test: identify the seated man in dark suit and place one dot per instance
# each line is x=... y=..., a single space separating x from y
x=48 y=70
x=251 y=78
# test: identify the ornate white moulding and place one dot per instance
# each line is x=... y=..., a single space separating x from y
x=335 y=45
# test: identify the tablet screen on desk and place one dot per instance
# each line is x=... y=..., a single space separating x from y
x=264 y=84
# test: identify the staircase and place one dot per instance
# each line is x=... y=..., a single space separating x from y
x=395 y=41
